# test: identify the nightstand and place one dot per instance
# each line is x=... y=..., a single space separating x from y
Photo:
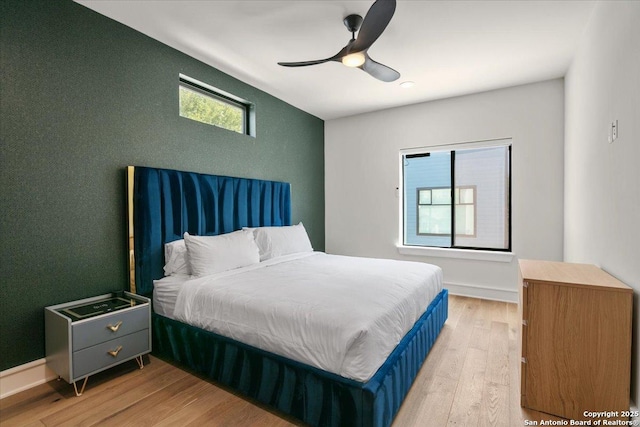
x=87 y=336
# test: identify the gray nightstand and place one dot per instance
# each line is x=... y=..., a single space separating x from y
x=87 y=336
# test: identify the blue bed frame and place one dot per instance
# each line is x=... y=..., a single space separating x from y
x=163 y=204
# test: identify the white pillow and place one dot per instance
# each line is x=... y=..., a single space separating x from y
x=214 y=254
x=176 y=258
x=278 y=241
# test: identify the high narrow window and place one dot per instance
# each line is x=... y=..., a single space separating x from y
x=206 y=104
x=474 y=180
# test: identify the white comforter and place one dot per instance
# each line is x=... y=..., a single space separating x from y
x=340 y=314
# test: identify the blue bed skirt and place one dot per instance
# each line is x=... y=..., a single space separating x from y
x=311 y=395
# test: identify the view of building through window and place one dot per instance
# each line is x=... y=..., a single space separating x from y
x=434 y=211
x=480 y=178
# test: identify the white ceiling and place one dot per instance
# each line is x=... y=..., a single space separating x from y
x=448 y=48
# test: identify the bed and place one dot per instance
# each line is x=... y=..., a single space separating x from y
x=165 y=204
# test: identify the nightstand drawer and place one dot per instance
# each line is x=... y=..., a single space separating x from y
x=110 y=353
x=111 y=326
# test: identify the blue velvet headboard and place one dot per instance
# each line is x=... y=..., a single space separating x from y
x=165 y=203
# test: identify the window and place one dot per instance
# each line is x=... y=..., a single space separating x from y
x=434 y=211
x=206 y=104
x=476 y=177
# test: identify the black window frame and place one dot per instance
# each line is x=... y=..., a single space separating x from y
x=248 y=108
x=452 y=151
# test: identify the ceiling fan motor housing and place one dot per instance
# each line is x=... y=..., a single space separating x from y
x=353 y=22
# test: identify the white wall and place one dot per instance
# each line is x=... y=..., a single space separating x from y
x=362 y=173
x=602 y=180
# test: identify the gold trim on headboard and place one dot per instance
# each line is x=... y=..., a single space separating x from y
x=132 y=260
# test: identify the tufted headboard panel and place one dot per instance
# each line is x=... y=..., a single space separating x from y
x=164 y=203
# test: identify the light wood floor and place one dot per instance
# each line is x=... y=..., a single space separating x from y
x=470 y=378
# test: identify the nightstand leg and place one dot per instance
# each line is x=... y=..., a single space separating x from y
x=84 y=384
x=140 y=362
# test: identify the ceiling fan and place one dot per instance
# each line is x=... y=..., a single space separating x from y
x=354 y=54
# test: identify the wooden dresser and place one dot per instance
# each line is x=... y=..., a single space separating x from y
x=575 y=340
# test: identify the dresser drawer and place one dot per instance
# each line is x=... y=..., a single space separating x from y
x=101 y=329
x=92 y=359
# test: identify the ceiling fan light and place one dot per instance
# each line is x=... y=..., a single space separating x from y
x=354 y=59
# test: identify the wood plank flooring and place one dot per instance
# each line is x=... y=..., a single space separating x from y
x=470 y=378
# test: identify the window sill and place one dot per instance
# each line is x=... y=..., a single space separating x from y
x=457 y=253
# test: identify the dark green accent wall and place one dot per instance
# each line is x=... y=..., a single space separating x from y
x=82 y=97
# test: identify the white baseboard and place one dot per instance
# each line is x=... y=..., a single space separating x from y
x=484 y=292
x=24 y=377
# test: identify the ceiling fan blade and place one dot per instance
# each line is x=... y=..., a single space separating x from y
x=304 y=63
x=378 y=70
x=376 y=20
x=337 y=57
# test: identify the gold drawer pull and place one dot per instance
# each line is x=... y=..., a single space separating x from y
x=114 y=353
x=114 y=328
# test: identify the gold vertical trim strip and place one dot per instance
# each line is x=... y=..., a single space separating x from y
x=132 y=260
